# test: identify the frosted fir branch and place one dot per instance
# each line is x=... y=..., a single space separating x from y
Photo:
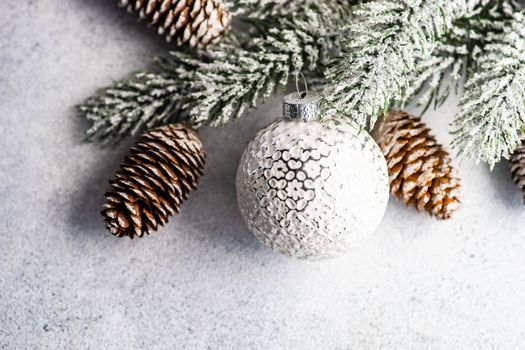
x=386 y=42
x=237 y=78
x=446 y=68
x=217 y=85
x=436 y=77
x=492 y=112
x=261 y=9
x=491 y=129
x=131 y=106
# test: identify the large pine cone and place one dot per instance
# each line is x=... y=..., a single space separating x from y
x=420 y=170
x=154 y=180
x=517 y=166
x=186 y=22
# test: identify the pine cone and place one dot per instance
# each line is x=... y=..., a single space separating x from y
x=517 y=166
x=420 y=170
x=187 y=22
x=154 y=180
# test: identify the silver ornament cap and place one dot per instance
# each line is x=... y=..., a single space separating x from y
x=303 y=106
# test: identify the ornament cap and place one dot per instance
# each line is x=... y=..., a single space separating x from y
x=303 y=106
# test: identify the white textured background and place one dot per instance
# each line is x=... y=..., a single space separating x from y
x=203 y=282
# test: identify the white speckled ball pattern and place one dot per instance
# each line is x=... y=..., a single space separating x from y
x=311 y=189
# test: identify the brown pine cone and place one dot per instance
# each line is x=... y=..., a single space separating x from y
x=154 y=180
x=420 y=170
x=517 y=166
x=186 y=22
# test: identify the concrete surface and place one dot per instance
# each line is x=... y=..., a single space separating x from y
x=203 y=282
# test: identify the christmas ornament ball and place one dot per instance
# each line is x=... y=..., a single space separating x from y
x=311 y=189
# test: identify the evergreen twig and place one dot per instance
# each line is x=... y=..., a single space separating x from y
x=386 y=41
x=492 y=111
x=392 y=51
x=215 y=86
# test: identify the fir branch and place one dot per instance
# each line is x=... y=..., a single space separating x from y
x=224 y=88
x=492 y=110
x=132 y=105
x=488 y=43
x=436 y=76
x=449 y=64
x=386 y=42
x=217 y=85
x=262 y=9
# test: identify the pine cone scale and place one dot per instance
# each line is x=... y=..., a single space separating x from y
x=163 y=175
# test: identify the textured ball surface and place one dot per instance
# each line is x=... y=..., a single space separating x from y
x=312 y=189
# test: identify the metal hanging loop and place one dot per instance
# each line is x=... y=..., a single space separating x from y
x=302 y=94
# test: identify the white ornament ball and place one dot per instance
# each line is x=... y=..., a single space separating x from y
x=312 y=189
